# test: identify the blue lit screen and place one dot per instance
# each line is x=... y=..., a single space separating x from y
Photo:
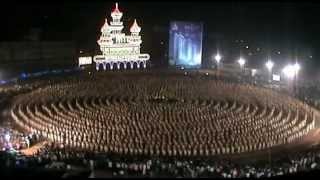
x=185 y=45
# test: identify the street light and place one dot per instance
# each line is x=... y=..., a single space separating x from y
x=296 y=67
x=241 y=62
x=217 y=58
x=269 y=65
x=291 y=71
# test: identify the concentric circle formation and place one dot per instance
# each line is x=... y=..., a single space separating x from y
x=169 y=115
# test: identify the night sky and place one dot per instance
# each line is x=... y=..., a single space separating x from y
x=291 y=26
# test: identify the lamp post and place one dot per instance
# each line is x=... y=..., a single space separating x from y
x=241 y=62
x=296 y=68
x=217 y=58
x=288 y=73
x=269 y=65
x=291 y=71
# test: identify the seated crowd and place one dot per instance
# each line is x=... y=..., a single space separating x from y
x=159 y=116
x=53 y=157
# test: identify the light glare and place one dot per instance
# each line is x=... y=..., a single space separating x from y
x=269 y=65
x=241 y=62
x=217 y=58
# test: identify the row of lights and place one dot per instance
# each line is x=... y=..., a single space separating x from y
x=290 y=70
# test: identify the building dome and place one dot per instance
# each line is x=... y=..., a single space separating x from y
x=116 y=13
x=105 y=27
x=135 y=28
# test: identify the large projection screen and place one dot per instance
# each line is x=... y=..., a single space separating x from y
x=185 y=44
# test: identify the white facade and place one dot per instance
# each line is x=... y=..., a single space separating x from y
x=120 y=50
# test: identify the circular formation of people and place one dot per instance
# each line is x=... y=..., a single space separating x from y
x=169 y=115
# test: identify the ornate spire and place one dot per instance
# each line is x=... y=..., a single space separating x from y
x=135 y=28
x=105 y=26
x=116 y=10
x=116 y=13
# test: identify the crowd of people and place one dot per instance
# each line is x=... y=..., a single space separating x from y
x=151 y=115
x=310 y=93
x=53 y=157
x=110 y=121
x=11 y=139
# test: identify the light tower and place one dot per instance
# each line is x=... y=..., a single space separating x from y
x=218 y=59
x=241 y=62
x=105 y=38
x=296 y=67
x=269 y=65
x=135 y=37
x=291 y=72
x=116 y=26
x=118 y=49
x=116 y=15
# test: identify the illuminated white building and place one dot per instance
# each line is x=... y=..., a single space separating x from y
x=120 y=50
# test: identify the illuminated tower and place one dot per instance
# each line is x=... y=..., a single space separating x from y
x=135 y=37
x=116 y=26
x=105 y=38
x=117 y=48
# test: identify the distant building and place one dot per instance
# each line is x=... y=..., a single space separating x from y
x=120 y=49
